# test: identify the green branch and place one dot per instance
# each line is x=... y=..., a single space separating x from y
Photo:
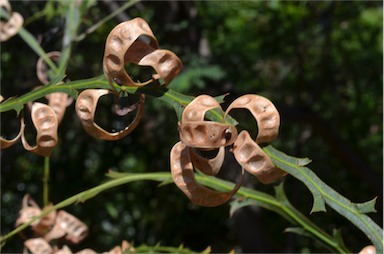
x=275 y=204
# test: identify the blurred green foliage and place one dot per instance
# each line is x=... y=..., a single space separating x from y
x=319 y=62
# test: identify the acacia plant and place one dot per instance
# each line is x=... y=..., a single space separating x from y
x=203 y=126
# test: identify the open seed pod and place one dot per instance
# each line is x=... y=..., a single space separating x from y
x=28 y=210
x=254 y=160
x=5 y=143
x=197 y=133
x=265 y=113
x=45 y=121
x=38 y=246
x=42 y=68
x=75 y=230
x=247 y=151
x=183 y=176
x=134 y=42
x=12 y=26
x=59 y=103
x=86 y=106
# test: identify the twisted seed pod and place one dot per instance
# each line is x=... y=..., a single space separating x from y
x=265 y=113
x=38 y=246
x=134 y=42
x=5 y=4
x=59 y=102
x=45 y=121
x=197 y=133
x=253 y=159
x=64 y=250
x=197 y=108
x=370 y=249
x=5 y=143
x=183 y=176
x=205 y=134
x=86 y=106
x=41 y=66
x=13 y=25
x=28 y=210
x=208 y=166
x=75 y=230
x=86 y=251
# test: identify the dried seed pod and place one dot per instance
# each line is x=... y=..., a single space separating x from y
x=42 y=68
x=5 y=4
x=265 y=113
x=86 y=251
x=166 y=64
x=5 y=143
x=205 y=134
x=38 y=246
x=13 y=25
x=370 y=249
x=58 y=102
x=86 y=106
x=196 y=109
x=208 y=166
x=45 y=223
x=75 y=230
x=56 y=232
x=253 y=159
x=134 y=42
x=64 y=250
x=183 y=176
x=46 y=124
x=28 y=210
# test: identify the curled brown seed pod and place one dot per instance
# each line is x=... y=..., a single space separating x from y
x=5 y=143
x=86 y=251
x=134 y=42
x=58 y=102
x=28 y=210
x=86 y=106
x=208 y=166
x=253 y=159
x=75 y=230
x=45 y=121
x=183 y=176
x=205 y=134
x=265 y=113
x=38 y=245
x=5 y=4
x=41 y=66
x=13 y=25
x=370 y=249
x=197 y=108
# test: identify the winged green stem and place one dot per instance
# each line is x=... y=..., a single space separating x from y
x=322 y=194
x=282 y=207
x=266 y=201
x=177 y=100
